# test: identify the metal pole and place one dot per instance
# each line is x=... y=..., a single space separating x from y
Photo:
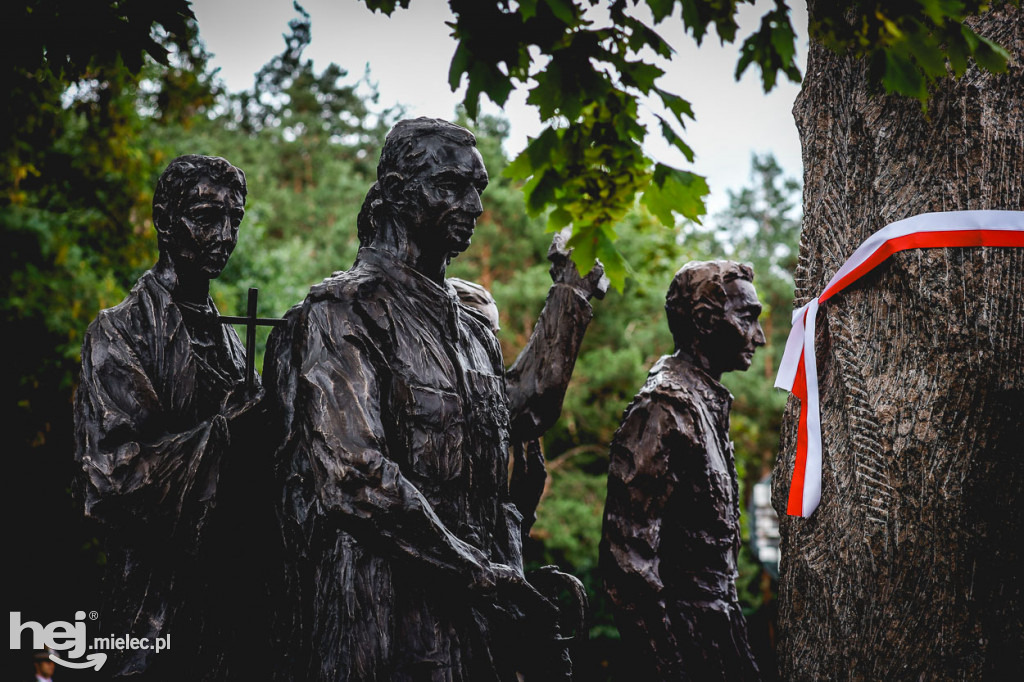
x=250 y=341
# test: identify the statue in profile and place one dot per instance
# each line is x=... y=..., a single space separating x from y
x=403 y=546
x=161 y=404
x=671 y=532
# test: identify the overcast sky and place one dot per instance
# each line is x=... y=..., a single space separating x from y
x=408 y=55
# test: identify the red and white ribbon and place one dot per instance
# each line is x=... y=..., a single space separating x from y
x=798 y=372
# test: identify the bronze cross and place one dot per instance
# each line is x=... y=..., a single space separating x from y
x=251 y=321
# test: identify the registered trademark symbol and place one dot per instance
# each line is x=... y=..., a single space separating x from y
x=93 y=615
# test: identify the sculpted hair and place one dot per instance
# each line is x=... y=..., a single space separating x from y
x=408 y=149
x=697 y=286
x=365 y=226
x=181 y=175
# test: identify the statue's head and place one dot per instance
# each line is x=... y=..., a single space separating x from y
x=198 y=205
x=429 y=181
x=712 y=310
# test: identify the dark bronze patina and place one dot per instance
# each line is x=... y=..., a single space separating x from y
x=160 y=418
x=671 y=526
x=403 y=545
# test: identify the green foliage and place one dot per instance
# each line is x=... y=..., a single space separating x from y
x=292 y=103
x=587 y=78
x=78 y=177
x=909 y=44
x=83 y=83
x=774 y=45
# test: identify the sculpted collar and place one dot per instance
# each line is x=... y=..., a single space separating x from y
x=682 y=365
x=403 y=273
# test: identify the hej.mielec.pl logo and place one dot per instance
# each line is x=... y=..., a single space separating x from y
x=67 y=641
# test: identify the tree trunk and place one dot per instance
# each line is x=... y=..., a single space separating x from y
x=912 y=567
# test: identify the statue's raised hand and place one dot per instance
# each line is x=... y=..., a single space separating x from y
x=563 y=270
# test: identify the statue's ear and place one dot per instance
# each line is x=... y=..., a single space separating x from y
x=160 y=219
x=703 y=318
x=391 y=185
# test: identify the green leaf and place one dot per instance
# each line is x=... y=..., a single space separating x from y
x=661 y=9
x=676 y=104
x=940 y=10
x=990 y=56
x=612 y=260
x=540 y=150
x=542 y=192
x=558 y=219
x=460 y=60
x=546 y=95
x=640 y=75
x=970 y=37
x=520 y=167
x=484 y=78
x=783 y=38
x=672 y=190
x=928 y=54
x=527 y=9
x=674 y=139
x=956 y=50
x=692 y=19
x=565 y=10
x=584 y=247
x=642 y=36
x=386 y=6
x=903 y=77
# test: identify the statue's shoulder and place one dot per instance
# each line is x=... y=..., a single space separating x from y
x=348 y=300
x=137 y=308
x=669 y=382
x=362 y=283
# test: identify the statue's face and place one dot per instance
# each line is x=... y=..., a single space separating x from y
x=734 y=334
x=205 y=230
x=447 y=199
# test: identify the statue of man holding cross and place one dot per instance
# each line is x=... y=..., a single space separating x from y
x=162 y=402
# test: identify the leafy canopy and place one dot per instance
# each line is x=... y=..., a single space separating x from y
x=589 y=67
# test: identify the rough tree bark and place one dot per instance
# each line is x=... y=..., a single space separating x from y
x=911 y=567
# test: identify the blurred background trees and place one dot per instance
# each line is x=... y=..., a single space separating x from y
x=93 y=125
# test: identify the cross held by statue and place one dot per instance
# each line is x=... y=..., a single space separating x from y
x=251 y=322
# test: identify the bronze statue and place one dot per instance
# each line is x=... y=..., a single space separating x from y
x=671 y=524
x=161 y=403
x=403 y=547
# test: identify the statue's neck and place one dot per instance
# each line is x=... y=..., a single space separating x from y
x=700 y=361
x=184 y=287
x=393 y=238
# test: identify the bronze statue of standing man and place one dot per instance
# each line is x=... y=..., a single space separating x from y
x=403 y=546
x=671 y=524
x=158 y=416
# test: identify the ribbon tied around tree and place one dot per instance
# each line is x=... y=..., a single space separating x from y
x=798 y=372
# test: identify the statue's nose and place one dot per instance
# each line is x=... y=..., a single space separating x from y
x=471 y=202
x=759 y=338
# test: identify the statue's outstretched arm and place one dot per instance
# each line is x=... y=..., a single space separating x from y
x=538 y=379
